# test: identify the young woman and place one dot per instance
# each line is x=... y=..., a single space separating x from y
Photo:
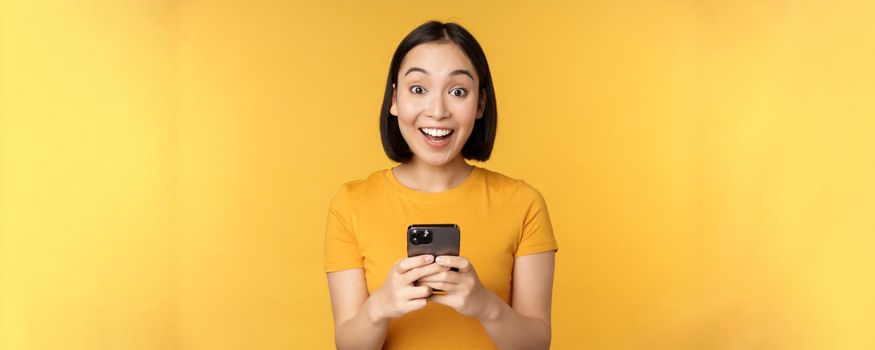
x=439 y=110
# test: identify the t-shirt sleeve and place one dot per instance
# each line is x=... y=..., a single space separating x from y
x=537 y=230
x=341 y=246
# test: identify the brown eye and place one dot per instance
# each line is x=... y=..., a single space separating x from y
x=458 y=92
x=416 y=89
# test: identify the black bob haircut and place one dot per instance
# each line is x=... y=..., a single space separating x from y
x=479 y=144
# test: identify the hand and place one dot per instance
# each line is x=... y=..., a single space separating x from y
x=398 y=296
x=464 y=291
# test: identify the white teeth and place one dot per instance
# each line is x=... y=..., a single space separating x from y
x=436 y=132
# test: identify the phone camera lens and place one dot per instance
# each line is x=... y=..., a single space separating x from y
x=420 y=236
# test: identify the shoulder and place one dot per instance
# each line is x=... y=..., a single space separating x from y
x=355 y=189
x=511 y=186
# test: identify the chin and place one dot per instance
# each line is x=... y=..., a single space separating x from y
x=438 y=160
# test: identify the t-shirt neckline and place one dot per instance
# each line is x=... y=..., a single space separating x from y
x=461 y=188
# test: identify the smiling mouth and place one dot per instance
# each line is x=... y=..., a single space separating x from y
x=436 y=134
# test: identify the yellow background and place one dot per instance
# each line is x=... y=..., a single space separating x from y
x=166 y=166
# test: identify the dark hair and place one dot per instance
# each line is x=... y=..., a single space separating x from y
x=479 y=143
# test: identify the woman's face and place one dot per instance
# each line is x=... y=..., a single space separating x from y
x=437 y=101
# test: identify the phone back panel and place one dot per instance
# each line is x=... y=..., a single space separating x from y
x=445 y=240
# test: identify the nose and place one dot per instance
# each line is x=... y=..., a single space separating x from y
x=437 y=109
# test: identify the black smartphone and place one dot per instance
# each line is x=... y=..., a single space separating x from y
x=434 y=239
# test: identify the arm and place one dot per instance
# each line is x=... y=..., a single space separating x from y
x=355 y=327
x=361 y=321
x=525 y=325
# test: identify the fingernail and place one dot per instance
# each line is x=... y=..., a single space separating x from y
x=429 y=258
x=440 y=260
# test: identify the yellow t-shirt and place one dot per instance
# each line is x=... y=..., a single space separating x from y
x=500 y=218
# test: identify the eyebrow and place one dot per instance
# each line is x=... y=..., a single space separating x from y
x=455 y=72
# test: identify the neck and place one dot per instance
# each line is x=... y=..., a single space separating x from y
x=424 y=177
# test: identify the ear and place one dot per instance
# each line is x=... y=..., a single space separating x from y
x=393 y=110
x=481 y=105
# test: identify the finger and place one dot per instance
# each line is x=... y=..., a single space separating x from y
x=416 y=304
x=458 y=262
x=418 y=292
x=438 y=277
x=444 y=286
x=405 y=265
x=444 y=276
x=419 y=272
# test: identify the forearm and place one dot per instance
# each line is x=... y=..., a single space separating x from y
x=364 y=331
x=510 y=330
